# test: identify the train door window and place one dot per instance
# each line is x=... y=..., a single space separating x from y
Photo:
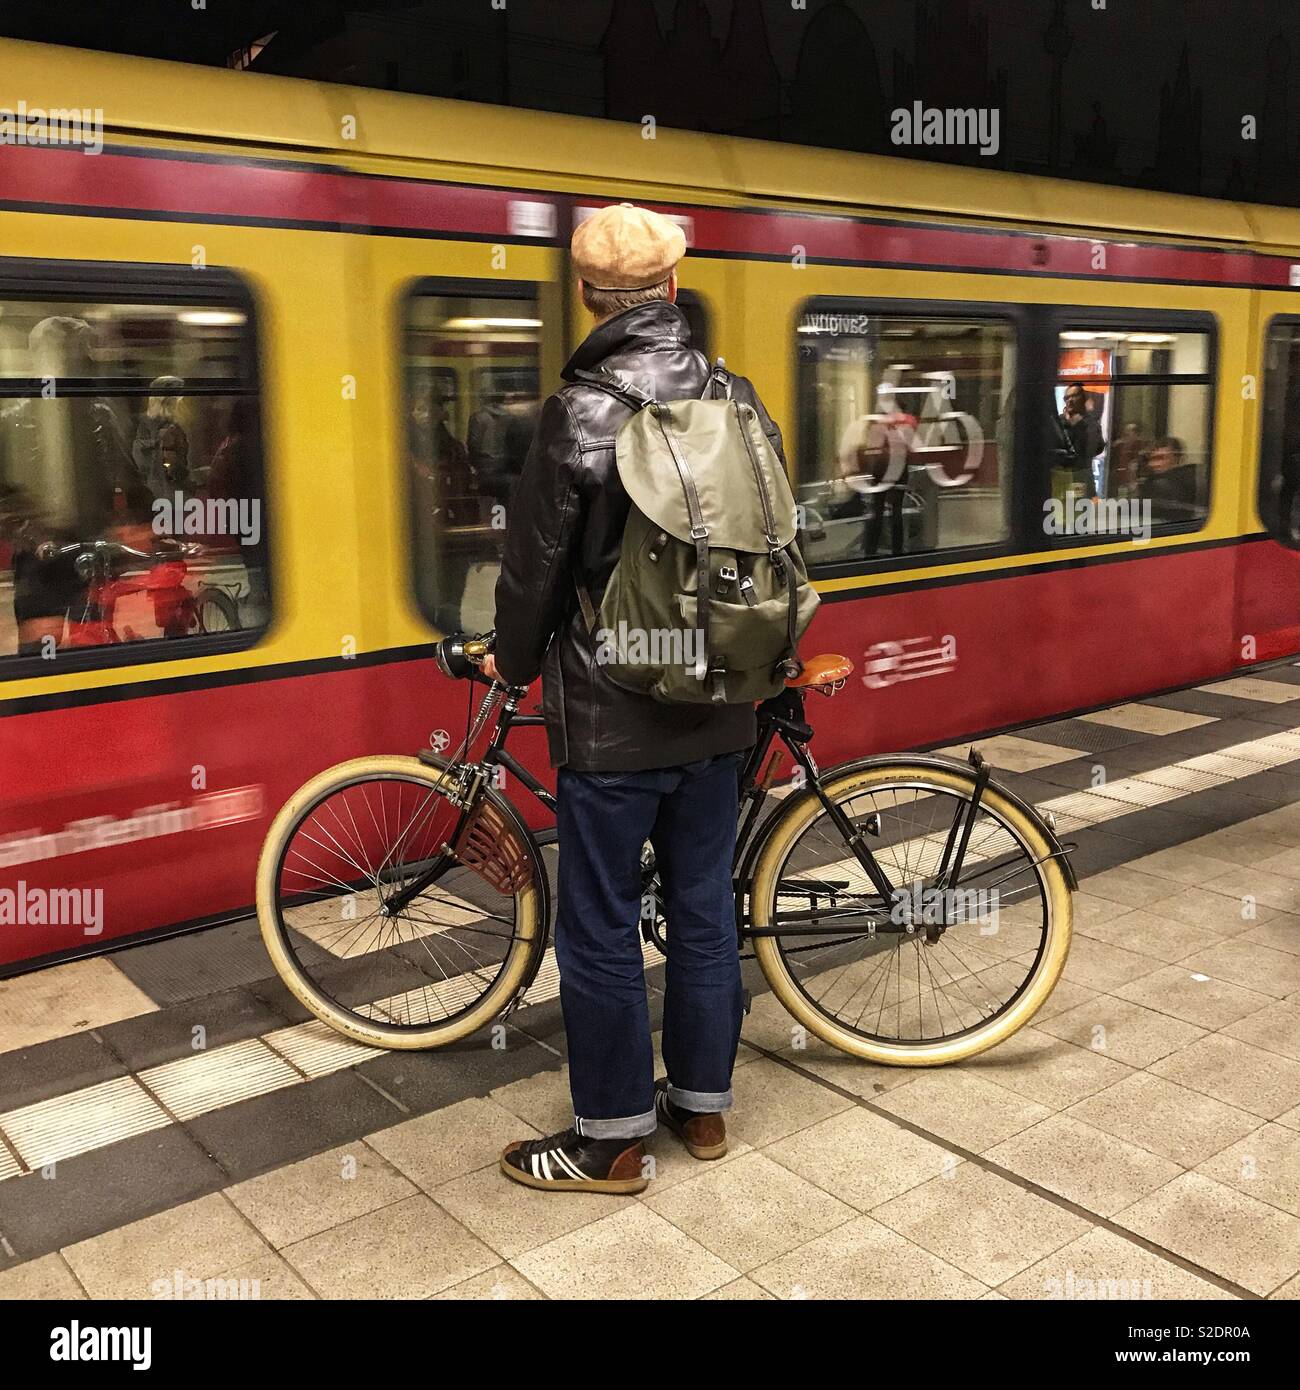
x=904 y=432
x=472 y=393
x=697 y=318
x=1279 y=460
x=131 y=497
x=1129 y=431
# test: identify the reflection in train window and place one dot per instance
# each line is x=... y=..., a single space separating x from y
x=131 y=501
x=1131 y=424
x=472 y=396
x=904 y=433
x=1279 y=459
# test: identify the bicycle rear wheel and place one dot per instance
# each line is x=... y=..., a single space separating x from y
x=937 y=971
x=378 y=964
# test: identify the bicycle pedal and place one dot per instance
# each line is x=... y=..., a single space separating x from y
x=747 y=1003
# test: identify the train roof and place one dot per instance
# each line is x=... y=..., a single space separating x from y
x=494 y=144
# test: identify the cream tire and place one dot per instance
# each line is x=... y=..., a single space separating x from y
x=795 y=820
x=515 y=970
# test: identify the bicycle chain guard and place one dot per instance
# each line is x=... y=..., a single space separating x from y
x=491 y=846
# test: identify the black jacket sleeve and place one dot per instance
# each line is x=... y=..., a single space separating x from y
x=544 y=522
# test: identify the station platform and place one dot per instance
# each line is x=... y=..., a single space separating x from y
x=173 y=1125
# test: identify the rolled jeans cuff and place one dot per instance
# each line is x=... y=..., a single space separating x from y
x=702 y=1102
x=631 y=1127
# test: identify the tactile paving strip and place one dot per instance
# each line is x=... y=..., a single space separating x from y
x=8 y=1163
x=192 y=1086
x=89 y=1119
x=315 y=1049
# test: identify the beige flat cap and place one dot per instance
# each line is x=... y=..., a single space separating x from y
x=626 y=248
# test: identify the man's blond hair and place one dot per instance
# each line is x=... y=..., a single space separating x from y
x=603 y=303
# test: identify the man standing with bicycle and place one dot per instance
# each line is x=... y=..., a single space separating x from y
x=632 y=768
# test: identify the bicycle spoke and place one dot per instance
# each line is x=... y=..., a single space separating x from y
x=956 y=979
x=343 y=867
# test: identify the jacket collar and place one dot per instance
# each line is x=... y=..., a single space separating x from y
x=654 y=325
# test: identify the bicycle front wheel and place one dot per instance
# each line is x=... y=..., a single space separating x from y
x=937 y=970
x=358 y=934
x=217 y=611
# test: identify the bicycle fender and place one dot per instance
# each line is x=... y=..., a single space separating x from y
x=941 y=762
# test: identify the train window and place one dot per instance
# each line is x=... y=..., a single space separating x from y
x=1131 y=429
x=472 y=396
x=1279 y=460
x=904 y=432
x=131 y=501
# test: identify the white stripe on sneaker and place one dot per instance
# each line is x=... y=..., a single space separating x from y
x=568 y=1164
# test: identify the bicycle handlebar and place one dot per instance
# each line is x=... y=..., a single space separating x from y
x=48 y=550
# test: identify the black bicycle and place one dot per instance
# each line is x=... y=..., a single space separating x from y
x=907 y=910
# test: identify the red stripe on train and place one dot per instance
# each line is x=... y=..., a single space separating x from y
x=252 y=189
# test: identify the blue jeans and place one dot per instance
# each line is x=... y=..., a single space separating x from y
x=689 y=815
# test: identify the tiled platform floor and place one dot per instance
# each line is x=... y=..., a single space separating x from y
x=1143 y=1133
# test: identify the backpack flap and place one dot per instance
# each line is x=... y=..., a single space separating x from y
x=711 y=437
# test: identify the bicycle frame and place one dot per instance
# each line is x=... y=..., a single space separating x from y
x=780 y=718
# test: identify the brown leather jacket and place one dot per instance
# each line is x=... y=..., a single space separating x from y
x=565 y=522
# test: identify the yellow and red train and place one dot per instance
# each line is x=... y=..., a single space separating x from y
x=313 y=321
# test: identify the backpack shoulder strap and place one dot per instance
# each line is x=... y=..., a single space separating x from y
x=718 y=385
x=631 y=395
x=616 y=385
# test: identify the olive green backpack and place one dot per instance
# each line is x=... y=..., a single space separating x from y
x=712 y=514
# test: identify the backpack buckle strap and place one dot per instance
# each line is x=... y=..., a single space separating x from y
x=789 y=663
x=700 y=535
x=702 y=602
